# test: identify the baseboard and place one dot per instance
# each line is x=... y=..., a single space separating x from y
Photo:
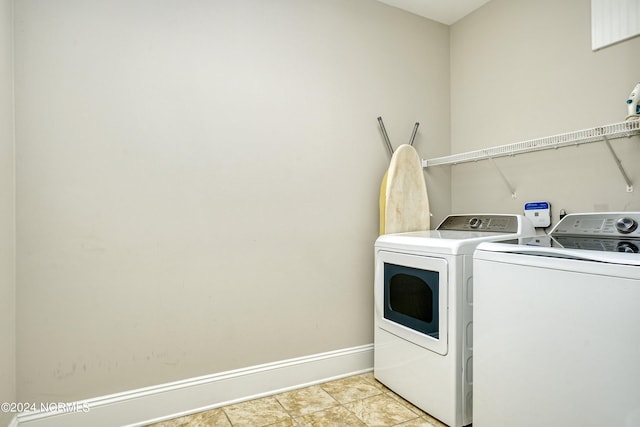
x=153 y=404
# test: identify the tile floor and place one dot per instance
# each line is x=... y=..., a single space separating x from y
x=357 y=401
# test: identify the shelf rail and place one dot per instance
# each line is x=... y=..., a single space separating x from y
x=612 y=131
x=601 y=133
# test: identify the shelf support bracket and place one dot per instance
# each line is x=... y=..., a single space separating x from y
x=619 y=164
x=504 y=178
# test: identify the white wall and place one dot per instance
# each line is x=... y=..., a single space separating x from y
x=198 y=181
x=7 y=221
x=523 y=70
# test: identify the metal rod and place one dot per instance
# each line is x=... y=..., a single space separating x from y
x=504 y=178
x=413 y=134
x=619 y=164
x=386 y=137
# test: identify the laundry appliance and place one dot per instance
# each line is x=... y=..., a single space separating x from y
x=557 y=326
x=423 y=311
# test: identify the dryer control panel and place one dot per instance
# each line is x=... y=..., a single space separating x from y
x=482 y=222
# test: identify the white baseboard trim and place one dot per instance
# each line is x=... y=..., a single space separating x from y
x=139 y=407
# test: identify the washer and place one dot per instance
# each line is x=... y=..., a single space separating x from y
x=423 y=311
x=557 y=327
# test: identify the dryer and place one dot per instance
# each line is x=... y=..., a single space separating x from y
x=423 y=311
x=557 y=326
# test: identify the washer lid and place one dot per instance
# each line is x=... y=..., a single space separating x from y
x=459 y=234
x=438 y=242
x=544 y=246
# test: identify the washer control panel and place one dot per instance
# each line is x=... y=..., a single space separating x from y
x=607 y=224
x=488 y=223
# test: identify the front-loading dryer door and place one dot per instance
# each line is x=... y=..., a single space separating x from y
x=411 y=293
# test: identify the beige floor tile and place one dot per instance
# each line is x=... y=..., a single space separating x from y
x=420 y=422
x=306 y=400
x=372 y=379
x=350 y=389
x=289 y=422
x=408 y=404
x=381 y=410
x=433 y=421
x=334 y=417
x=257 y=413
x=358 y=401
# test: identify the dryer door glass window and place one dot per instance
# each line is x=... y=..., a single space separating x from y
x=411 y=298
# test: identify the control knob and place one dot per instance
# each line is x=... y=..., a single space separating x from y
x=626 y=225
x=627 y=247
x=475 y=222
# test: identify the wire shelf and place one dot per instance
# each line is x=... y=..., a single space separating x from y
x=612 y=131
